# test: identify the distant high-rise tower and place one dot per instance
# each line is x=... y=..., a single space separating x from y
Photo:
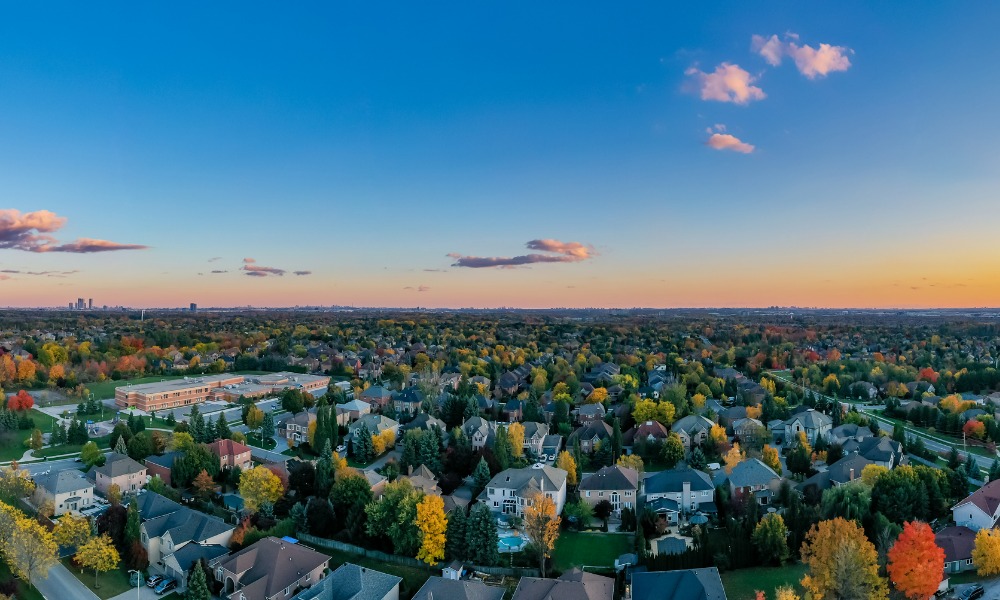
x=194 y=307
x=71 y=306
x=90 y=304
x=79 y=304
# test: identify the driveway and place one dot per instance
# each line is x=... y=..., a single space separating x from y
x=62 y=585
x=145 y=593
x=378 y=464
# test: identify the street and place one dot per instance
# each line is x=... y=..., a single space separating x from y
x=62 y=585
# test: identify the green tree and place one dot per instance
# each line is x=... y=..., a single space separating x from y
x=197 y=586
x=267 y=426
x=222 y=430
x=769 y=537
x=616 y=439
x=350 y=495
x=455 y=547
x=501 y=448
x=196 y=425
x=364 y=449
x=481 y=539
x=673 y=451
x=91 y=455
x=481 y=476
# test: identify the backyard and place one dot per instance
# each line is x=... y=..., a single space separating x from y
x=743 y=584
x=577 y=549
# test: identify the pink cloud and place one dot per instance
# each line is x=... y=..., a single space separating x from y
x=728 y=83
x=561 y=252
x=249 y=261
x=303 y=272
x=257 y=271
x=725 y=141
x=30 y=232
x=811 y=62
x=88 y=245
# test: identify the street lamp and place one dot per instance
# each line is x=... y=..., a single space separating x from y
x=138 y=581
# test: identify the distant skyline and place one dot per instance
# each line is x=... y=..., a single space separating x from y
x=559 y=155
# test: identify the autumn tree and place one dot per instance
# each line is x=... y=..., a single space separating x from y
x=35 y=442
x=30 y=550
x=259 y=486
x=769 y=456
x=732 y=458
x=871 y=473
x=515 y=433
x=986 y=552
x=566 y=462
x=98 y=554
x=769 y=537
x=916 y=562
x=842 y=562
x=72 y=531
x=785 y=592
x=254 y=418
x=91 y=455
x=634 y=462
x=16 y=482
x=541 y=524
x=203 y=485
x=433 y=526
x=673 y=450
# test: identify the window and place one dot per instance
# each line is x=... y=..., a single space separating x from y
x=968 y=561
x=218 y=573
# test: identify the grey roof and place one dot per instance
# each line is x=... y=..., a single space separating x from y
x=850 y=430
x=811 y=419
x=687 y=584
x=841 y=471
x=572 y=585
x=437 y=588
x=63 y=482
x=351 y=582
x=593 y=429
x=192 y=553
x=672 y=481
x=152 y=505
x=957 y=542
x=692 y=423
x=880 y=449
x=186 y=525
x=163 y=460
x=611 y=478
x=751 y=472
x=119 y=464
x=269 y=565
x=376 y=391
x=522 y=479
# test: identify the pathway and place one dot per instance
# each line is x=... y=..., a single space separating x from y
x=62 y=585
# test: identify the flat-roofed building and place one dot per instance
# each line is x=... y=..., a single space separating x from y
x=195 y=390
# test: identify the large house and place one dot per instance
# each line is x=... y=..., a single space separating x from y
x=376 y=395
x=162 y=465
x=350 y=412
x=752 y=478
x=692 y=429
x=68 y=491
x=534 y=437
x=591 y=434
x=511 y=490
x=376 y=424
x=981 y=509
x=650 y=432
x=687 y=584
x=573 y=584
x=296 y=428
x=351 y=582
x=849 y=432
x=812 y=422
x=957 y=542
x=882 y=451
x=231 y=454
x=478 y=431
x=408 y=401
x=439 y=588
x=842 y=472
x=121 y=470
x=680 y=491
x=269 y=569
x=167 y=528
x=617 y=485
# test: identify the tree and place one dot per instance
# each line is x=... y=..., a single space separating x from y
x=222 y=430
x=732 y=458
x=481 y=539
x=394 y=516
x=114 y=494
x=564 y=462
x=986 y=552
x=91 y=455
x=603 y=510
x=98 y=554
x=72 y=531
x=196 y=425
x=253 y=418
x=20 y=401
x=785 y=592
x=769 y=456
x=673 y=450
x=769 y=537
x=350 y=495
x=197 y=588
x=364 y=450
x=35 y=442
x=799 y=460
x=851 y=502
x=871 y=473
x=132 y=524
x=455 y=547
x=30 y=550
x=634 y=462
x=433 y=526
x=181 y=442
x=616 y=438
x=481 y=475
x=541 y=524
x=515 y=433
x=502 y=449
x=916 y=562
x=842 y=562
x=203 y=485
x=267 y=427
x=259 y=486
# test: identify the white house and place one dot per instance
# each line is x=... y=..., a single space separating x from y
x=511 y=490
x=811 y=421
x=68 y=490
x=981 y=509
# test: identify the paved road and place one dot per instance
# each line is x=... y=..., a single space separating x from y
x=62 y=585
x=53 y=465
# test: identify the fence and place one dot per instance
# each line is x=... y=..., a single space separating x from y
x=406 y=561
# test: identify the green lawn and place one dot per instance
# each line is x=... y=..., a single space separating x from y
x=24 y=592
x=578 y=549
x=12 y=442
x=743 y=583
x=253 y=439
x=102 y=442
x=111 y=583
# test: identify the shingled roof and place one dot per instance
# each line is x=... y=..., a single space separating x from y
x=269 y=565
x=986 y=498
x=611 y=478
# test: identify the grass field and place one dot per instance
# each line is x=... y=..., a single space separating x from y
x=577 y=549
x=111 y=583
x=743 y=583
x=102 y=442
x=253 y=439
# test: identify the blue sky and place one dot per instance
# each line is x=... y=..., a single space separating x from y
x=366 y=144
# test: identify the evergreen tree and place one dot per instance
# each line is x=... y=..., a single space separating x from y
x=267 y=426
x=198 y=585
x=972 y=468
x=954 y=460
x=481 y=476
x=501 y=448
x=616 y=440
x=455 y=548
x=602 y=457
x=132 y=521
x=430 y=451
x=333 y=429
x=481 y=539
x=121 y=447
x=697 y=460
x=995 y=470
x=364 y=449
x=196 y=425
x=222 y=430
x=322 y=434
x=324 y=470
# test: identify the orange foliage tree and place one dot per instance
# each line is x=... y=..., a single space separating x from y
x=974 y=429
x=22 y=400
x=916 y=562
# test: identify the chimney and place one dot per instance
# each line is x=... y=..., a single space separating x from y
x=852 y=474
x=409 y=470
x=685 y=494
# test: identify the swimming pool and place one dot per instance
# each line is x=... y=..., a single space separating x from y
x=512 y=543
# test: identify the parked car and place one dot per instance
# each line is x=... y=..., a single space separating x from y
x=972 y=592
x=165 y=586
x=154 y=580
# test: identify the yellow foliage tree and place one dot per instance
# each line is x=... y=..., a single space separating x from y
x=432 y=524
x=769 y=456
x=515 y=433
x=840 y=557
x=871 y=473
x=72 y=531
x=255 y=417
x=732 y=458
x=311 y=432
x=986 y=552
x=634 y=462
x=698 y=401
x=30 y=550
x=259 y=485
x=383 y=441
x=803 y=441
x=98 y=554
x=181 y=442
x=786 y=592
x=599 y=395
x=567 y=463
x=718 y=435
x=754 y=412
x=541 y=524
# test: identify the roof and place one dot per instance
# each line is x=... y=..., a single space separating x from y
x=611 y=478
x=957 y=542
x=671 y=481
x=119 y=464
x=63 y=482
x=185 y=525
x=811 y=419
x=163 y=460
x=572 y=585
x=687 y=584
x=351 y=582
x=691 y=423
x=192 y=553
x=355 y=405
x=544 y=476
x=987 y=498
x=153 y=505
x=269 y=565
x=376 y=391
x=228 y=448
x=841 y=471
x=438 y=588
x=598 y=429
x=646 y=430
x=751 y=472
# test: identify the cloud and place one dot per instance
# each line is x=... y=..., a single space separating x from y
x=40 y=273
x=257 y=271
x=435 y=270
x=5 y=277
x=728 y=83
x=811 y=62
x=215 y=258
x=31 y=231
x=419 y=288
x=219 y=271
x=303 y=272
x=561 y=252
x=725 y=141
x=249 y=261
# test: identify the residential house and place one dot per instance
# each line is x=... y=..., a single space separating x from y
x=980 y=509
x=684 y=584
x=864 y=390
x=179 y=563
x=408 y=401
x=571 y=585
x=478 y=430
x=649 y=432
x=534 y=437
x=882 y=451
x=376 y=424
x=269 y=569
x=750 y=431
x=842 y=472
x=438 y=588
x=675 y=492
x=510 y=490
x=587 y=413
x=752 y=478
x=161 y=465
x=618 y=485
x=692 y=429
x=731 y=414
x=423 y=480
x=591 y=434
x=167 y=527
x=425 y=422
x=957 y=542
x=121 y=470
x=350 y=412
x=68 y=491
x=513 y=411
x=811 y=421
x=295 y=429
x=231 y=454
x=847 y=432
x=376 y=395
